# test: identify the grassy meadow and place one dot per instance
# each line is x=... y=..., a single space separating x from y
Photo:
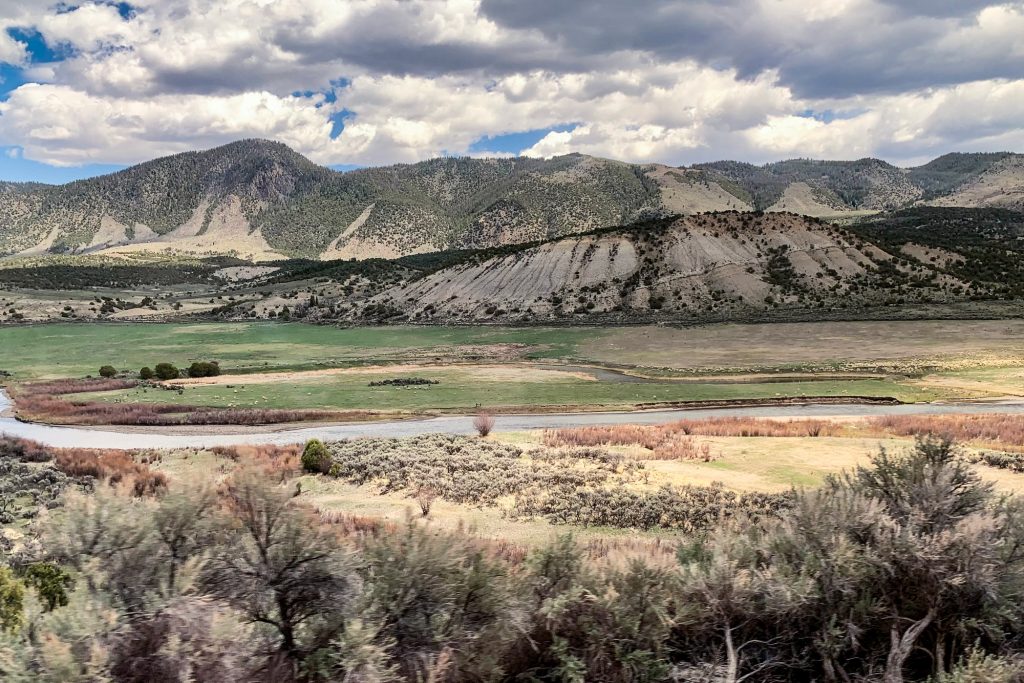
x=296 y=366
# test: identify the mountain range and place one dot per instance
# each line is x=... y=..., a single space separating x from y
x=260 y=200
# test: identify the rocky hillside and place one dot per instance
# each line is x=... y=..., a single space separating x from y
x=729 y=264
x=260 y=200
x=711 y=266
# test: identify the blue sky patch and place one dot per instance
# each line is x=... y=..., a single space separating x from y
x=15 y=168
x=514 y=143
x=337 y=120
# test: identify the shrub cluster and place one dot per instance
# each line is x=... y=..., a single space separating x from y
x=166 y=371
x=403 y=382
x=1014 y=462
x=203 y=369
x=908 y=569
x=24 y=488
x=462 y=469
x=692 y=509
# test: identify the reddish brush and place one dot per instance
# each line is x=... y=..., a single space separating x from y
x=748 y=426
x=666 y=442
x=999 y=431
x=282 y=462
x=348 y=524
x=114 y=466
x=42 y=402
x=76 y=386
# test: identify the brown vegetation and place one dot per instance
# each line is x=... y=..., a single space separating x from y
x=666 y=442
x=114 y=467
x=280 y=462
x=43 y=402
x=56 y=387
x=483 y=424
x=997 y=431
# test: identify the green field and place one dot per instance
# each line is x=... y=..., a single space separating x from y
x=467 y=389
x=533 y=367
x=75 y=350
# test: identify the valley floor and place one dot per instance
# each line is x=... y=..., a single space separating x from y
x=370 y=373
x=756 y=464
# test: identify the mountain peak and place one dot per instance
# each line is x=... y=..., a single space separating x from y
x=276 y=201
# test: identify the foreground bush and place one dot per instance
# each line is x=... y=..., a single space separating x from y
x=909 y=569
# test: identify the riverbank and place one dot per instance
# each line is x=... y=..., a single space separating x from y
x=164 y=437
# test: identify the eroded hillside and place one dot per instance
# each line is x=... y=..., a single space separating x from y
x=693 y=265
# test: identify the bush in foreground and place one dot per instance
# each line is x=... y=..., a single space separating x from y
x=108 y=371
x=315 y=457
x=908 y=569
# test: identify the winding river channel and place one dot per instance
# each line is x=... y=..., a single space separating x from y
x=99 y=437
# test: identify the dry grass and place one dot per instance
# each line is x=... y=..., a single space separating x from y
x=115 y=467
x=619 y=551
x=351 y=525
x=995 y=431
x=749 y=426
x=78 y=386
x=672 y=441
x=280 y=462
x=665 y=442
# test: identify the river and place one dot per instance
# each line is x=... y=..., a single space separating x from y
x=98 y=437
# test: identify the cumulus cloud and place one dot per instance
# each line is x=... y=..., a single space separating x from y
x=652 y=80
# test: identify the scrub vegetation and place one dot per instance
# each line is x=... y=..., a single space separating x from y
x=142 y=567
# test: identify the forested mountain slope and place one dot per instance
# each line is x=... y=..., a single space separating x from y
x=260 y=200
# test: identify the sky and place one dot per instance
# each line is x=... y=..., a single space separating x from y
x=90 y=87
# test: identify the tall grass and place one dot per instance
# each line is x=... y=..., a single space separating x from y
x=673 y=441
x=114 y=467
x=998 y=431
x=280 y=462
x=664 y=442
x=79 y=386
